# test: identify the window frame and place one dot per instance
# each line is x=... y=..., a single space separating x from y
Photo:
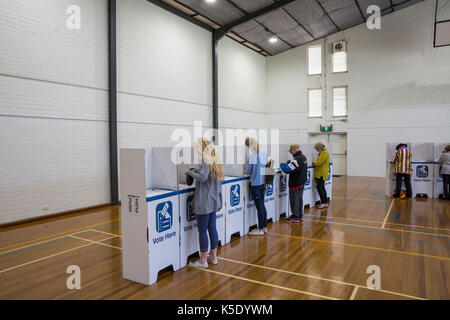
x=332 y=63
x=346 y=100
x=321 y=60
x=321 y=105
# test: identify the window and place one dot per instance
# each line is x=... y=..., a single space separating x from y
x=314 y=60
x=339 y=101
x=340 y=62
x=315 y=103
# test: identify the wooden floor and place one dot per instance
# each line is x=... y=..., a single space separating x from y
x=324 y=257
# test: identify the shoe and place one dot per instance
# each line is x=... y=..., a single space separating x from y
x=197 y=264
x=295 y=220
x=265 y=229
x=211 y=261
x=256 y=232
x=321 y=206
x=289 y=219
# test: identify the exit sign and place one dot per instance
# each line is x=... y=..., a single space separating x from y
x=326 y=128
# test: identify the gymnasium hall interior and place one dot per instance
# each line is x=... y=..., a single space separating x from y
x=263 y=150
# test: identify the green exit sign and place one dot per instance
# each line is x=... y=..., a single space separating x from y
x=326 y=128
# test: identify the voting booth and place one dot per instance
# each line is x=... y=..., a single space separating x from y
x=149 y=214
x=250 y=213
x=422 y=177
x=282 y=183
x=233 y=190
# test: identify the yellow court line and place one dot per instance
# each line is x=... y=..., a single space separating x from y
x=372 y=227
x=360 y=246
x=318 y=278
x=48 y=257
x=55 y=234
x=373 y=221
x=355 y=290
x=266 y=284
x=387 y=213
x=44 y=258
x=113 y=234
x=98 y=242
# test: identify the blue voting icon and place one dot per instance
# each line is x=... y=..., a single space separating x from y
x=164 y=216
x=235 y=195
x=190 y=215
x=269 y=189
x=308 y=178
x=422 y=171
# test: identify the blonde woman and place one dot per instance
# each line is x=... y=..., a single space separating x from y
x=207 y=199
x=256 y=169
x=321 y=172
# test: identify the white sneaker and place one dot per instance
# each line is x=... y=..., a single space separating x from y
x=256 y=232
x=211 y=261
x=197 y=264
x=265 y=229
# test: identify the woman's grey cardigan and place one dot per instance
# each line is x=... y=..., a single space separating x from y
x=208 y=191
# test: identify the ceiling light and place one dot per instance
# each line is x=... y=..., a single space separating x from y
x=210 y=1
x=273 y=39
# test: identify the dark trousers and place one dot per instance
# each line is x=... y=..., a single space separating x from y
x=398 y=185
x=446 y=180
x=320 y=185
x=296 y=201
x=258 y=193
x=206 y=223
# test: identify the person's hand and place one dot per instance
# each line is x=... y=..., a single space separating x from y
x=186 y=171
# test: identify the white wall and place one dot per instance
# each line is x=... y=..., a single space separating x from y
x=53 y=108
x=398 y=88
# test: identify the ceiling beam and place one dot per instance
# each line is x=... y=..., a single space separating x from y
x=300 y=24
x=326 y=13
x=221 y=32
x=181 y=14
x=360 y=10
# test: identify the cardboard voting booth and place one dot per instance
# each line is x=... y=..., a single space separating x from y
x=149 y=215
x=308 y=193
x=189 y=243
x=422 y=178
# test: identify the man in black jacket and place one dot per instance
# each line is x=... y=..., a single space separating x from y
x=297 y=180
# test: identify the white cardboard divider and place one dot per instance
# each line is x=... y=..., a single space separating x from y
x=282 y=186
x=422 y=152
x=149 y=217
x=308 y=192
x=390 y=180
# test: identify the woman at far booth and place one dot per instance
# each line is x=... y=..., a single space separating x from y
x=321 y=172
x=444 y=163
x=256 y=169
x=207 y=199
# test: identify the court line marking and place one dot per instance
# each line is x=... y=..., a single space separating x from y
x=355 y=290
x=360 y=246
x=113 y=234
x=354 y=198
x=265 y=283
x=55 y=234
x=387 y=214
x=97 y=242
x=319 y=278
x=372 y=227
x=377 y=222
x=47 y=257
